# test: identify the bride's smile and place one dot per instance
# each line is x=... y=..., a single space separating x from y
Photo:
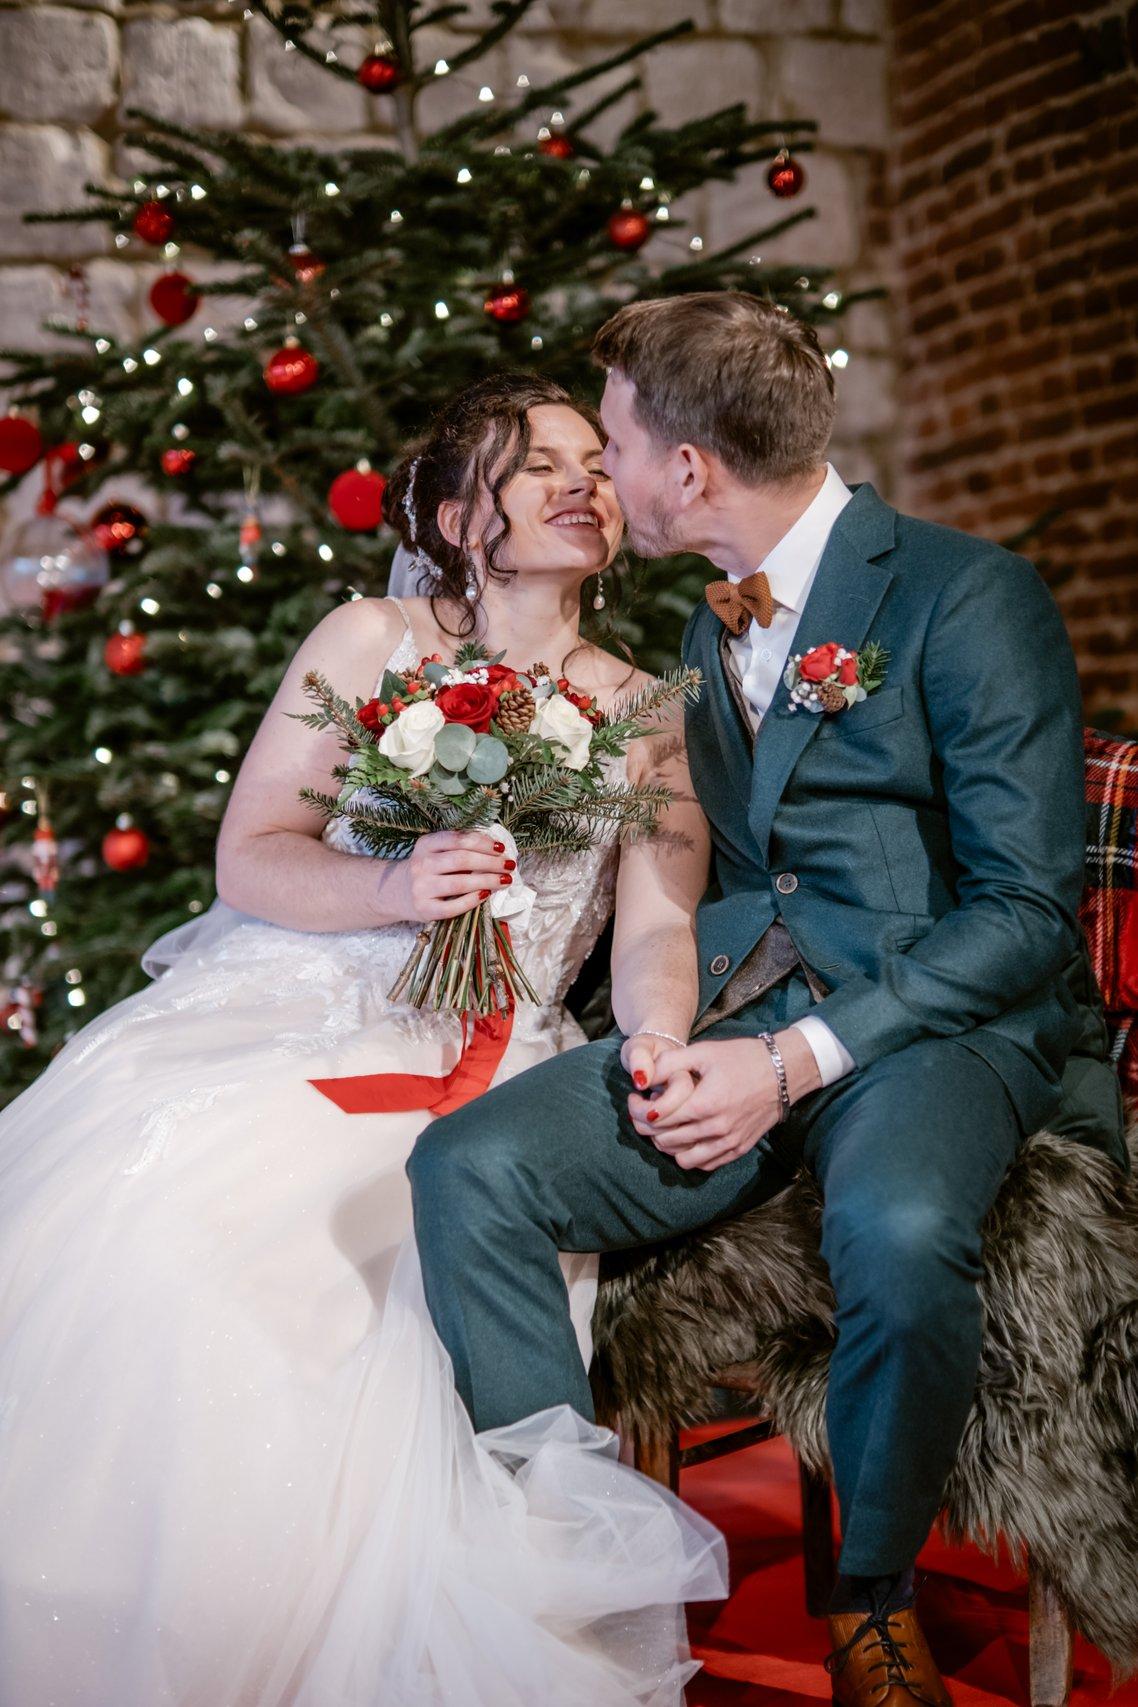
x=558 y=511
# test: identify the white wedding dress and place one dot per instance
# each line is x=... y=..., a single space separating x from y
x=234 y=1471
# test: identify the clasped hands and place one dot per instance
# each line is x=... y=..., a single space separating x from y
x=707 y=1104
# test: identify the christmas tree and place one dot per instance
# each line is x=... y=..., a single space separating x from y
x=138 y=655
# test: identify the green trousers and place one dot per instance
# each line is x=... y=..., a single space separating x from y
x=909 y=1154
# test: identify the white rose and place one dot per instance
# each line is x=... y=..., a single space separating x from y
x=409 y=742
x=562 y=723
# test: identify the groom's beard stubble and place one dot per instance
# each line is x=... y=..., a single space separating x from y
x=656 y=535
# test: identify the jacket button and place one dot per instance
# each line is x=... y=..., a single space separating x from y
x=786 y=883
x=719 y=965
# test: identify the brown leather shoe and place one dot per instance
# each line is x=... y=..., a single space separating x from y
x=882 y=1660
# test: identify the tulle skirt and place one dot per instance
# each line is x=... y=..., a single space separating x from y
x=234 y=1471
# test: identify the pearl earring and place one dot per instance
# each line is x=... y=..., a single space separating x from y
x=599 y=600
x=471 y=588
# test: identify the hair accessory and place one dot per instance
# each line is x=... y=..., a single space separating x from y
x=422 y=564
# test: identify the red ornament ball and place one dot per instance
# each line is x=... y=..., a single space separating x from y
x=507 y=304
x=305 y=265
x=179 y=459
x=355 y=498
x=785 y=177
x=21 y=445
x=126 y=850
x=125 y=654
x=557 y=147
x=175 y=298
x=120 y=529
x=290 y=370
x=154 y=223
x=629 y=229
x=380 y=73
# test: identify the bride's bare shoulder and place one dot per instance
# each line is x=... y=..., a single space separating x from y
x=361 y=623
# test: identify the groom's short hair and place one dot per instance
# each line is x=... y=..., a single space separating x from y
x=732 y=373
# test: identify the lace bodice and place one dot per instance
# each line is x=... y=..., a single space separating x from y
x=575 y=892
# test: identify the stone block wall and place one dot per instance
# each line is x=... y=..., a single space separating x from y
x=1015 y=222
x=69 y=69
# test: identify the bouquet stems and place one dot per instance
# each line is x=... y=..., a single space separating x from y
x=466 y=964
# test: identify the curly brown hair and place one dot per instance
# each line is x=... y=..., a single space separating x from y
x=479 y=438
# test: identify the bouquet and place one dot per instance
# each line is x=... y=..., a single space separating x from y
x=479 y=746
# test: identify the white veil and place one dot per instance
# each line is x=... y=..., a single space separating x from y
x=197 y=936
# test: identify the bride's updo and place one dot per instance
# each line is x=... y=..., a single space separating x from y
x=479 y=438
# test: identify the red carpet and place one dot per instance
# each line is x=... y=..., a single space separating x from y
x=760 y=1649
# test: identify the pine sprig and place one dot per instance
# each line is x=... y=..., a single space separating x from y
x=333 y=711
x=634 y=716
x=871 y=661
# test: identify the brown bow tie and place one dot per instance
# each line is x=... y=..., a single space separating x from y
x=736 y=602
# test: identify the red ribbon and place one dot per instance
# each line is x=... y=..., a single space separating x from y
x=483 y=1046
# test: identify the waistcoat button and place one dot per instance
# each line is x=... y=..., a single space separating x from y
x=786 y=883
x=719 y=965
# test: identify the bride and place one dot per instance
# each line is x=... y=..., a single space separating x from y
x=234 y=1471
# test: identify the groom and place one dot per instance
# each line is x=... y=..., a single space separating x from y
x=894 y=987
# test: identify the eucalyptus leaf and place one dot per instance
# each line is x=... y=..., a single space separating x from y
x=391 y=686
x=445 y=781
x=436 y=674
x=490 y=760
x=454 y=746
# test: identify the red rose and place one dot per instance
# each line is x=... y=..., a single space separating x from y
x=371 y=714
x=847 y=673
x=819 y=663
x=469 y=703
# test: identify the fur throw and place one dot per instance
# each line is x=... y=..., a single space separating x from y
x=1049 y=1459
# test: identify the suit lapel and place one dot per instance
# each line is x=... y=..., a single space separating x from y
x=843 y=601
x=730 y=726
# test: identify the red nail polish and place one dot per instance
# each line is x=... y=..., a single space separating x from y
x=510 y=864
x=653 y=1114
x=640 y=1079
x=499 y=847
x=484 y=894
x=505 y=880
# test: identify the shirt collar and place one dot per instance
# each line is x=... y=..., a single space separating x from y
x=792 y=560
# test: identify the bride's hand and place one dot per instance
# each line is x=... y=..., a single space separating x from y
x=639 y=1055
x=445 y=874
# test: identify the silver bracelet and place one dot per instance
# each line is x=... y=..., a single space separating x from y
x=646 y=1031
x=780 y=1074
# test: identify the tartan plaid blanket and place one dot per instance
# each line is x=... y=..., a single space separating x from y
x=1109 y=908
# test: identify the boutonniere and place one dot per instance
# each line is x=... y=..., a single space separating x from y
x=830 y=677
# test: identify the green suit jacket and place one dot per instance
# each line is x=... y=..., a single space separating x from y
x=924 y=847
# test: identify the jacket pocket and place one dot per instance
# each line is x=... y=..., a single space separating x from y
x=880 y=707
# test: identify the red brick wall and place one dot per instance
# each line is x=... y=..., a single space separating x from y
x=1014 y=188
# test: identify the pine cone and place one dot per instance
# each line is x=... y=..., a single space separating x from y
x=540 y=670
x=832 y=697
x=516 y=711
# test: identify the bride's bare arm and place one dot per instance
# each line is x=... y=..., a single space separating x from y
x=270 y=859
x=661 y=879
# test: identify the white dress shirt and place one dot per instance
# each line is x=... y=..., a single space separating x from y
x=759 y=656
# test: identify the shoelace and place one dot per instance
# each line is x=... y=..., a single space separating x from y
x=893 y=1662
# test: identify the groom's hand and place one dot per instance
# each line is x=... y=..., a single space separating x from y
x=733 y=1103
